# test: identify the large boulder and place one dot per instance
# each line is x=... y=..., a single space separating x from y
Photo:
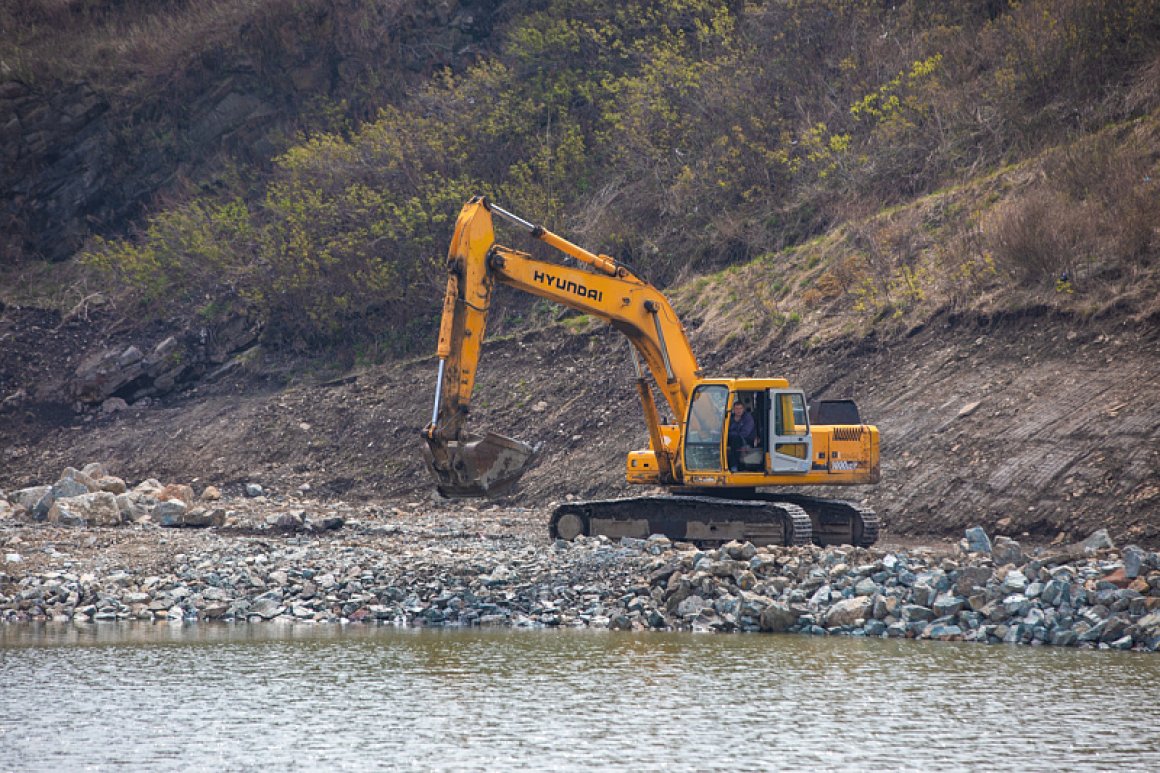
x=29 y=498
x=94 y=509
x=977 y=540
x=1007 y=551
x=1099 y=540
x=849 y=611
x=777 y=618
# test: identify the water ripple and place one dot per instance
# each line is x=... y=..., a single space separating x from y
x=299 y=698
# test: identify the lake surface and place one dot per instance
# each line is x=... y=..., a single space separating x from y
x=206 y=697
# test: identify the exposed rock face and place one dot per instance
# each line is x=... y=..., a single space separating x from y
x=57 y=154
x=84 y=157
x=126 y=375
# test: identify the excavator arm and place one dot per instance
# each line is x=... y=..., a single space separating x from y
x=470 y=465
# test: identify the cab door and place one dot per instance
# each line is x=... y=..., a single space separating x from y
x=790 y=443
x=704 y=428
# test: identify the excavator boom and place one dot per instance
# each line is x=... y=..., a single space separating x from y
x=466 y=465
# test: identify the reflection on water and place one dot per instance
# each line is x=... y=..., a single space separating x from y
x=241 y=697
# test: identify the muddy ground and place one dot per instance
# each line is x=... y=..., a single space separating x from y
x=1033 y=425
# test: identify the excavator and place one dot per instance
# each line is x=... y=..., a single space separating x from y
x=713 y=460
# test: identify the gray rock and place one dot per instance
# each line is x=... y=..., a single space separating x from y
x=658 y=544
x=129 y=356
x=253 y=490
x=291 y=521
x=943 y=632
x=1016 y=604
x=96 y=509
x=740 y=551
x=884 y=606
x=163 y=349
x=972 y=577
x=201 y=518
x=266 y=608
x=132 y=508
x=620 y=623
x=1007 y=551
x=977 y=540
x=111 y=484
x=68 y=487
x=170 y=513
x=1099 y=540
x=114 y=405
x=947 y=604
x=29 y=498
x=691 y=606
x=777 y=618
x=923 y=594
x=917 y=612
x=865 y=587
x=1134 y=561
x=1014 y=582
x=94 y=470
x=848 y=612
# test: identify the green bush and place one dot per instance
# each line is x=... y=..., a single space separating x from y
x=680 y=135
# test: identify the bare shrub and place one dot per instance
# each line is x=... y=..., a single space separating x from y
x=1111 y=176
x=1036 y=237
x=1135 y=231
x=1101 y=169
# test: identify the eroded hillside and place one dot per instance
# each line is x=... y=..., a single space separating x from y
x=1037 y=423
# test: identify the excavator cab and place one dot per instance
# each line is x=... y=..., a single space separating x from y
x=784 y=442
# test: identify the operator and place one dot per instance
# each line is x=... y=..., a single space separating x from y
x=742 y=432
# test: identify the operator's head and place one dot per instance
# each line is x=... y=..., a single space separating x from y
x=738 y=408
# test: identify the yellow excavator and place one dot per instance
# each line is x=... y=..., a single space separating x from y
x=731 y=437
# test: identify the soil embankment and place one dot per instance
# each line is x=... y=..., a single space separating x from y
x=1036 y=425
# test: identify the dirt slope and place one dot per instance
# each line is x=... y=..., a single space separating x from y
x=1039 y=423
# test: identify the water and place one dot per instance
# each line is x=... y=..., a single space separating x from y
x=156 y=697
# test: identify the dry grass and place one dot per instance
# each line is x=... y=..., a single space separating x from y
x=115 y=40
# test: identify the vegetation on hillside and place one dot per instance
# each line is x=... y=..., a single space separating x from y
x=687 y=136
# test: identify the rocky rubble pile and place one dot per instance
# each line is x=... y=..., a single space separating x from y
x=1087 y=595
x=91 y=497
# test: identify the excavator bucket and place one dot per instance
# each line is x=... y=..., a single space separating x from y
x=478 y=466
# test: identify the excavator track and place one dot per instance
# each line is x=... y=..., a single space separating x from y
x=833 y=521
x=700 y=519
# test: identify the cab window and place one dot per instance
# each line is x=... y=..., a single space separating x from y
x=790 y=414
x=705 y=426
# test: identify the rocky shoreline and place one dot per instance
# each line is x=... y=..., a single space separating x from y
x=253 y=558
